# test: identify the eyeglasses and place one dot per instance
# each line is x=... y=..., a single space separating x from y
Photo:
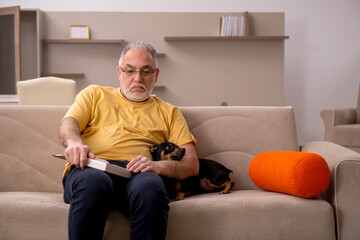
x=144 y=72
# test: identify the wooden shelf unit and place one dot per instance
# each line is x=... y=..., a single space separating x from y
x=94 y=61
x=246 y=37
x=90 y=41
x=68 y=41
x=64 y=75
x=218 y=38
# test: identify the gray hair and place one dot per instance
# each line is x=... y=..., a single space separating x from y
x=139 y=45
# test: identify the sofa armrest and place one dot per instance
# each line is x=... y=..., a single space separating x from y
x=333 y=117
x=343 y=192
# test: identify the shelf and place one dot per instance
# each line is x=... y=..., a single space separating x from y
x=68 y=41
x=64 y=75
x=90 y=41
x=218 y=38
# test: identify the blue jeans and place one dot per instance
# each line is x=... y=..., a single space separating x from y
x=92 y=194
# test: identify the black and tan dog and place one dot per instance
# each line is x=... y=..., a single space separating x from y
x=212 y=177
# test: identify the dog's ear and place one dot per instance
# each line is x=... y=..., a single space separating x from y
x=154 y=148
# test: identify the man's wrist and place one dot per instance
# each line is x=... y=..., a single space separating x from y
x=73 y=142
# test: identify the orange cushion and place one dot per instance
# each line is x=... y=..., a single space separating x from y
x=298 y=173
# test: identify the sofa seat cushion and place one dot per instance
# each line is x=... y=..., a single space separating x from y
x=205 y=216
x=32 y=215
x=39 y=215
x=250 y=214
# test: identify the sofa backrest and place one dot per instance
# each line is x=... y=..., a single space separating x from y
x=28 y=137
x=230 y=135
x=233 y=136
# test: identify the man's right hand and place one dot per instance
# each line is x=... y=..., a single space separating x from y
x=77 y=154
x=76 y=151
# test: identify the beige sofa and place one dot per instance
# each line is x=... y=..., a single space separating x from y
x=31 y=205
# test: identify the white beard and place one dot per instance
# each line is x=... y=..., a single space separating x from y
x=138 y=96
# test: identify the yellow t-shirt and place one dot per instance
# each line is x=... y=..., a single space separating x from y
x=118 y=129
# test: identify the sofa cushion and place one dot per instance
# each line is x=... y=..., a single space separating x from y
x=29 y=215
x=297 y=173
x=33 y=215
x=234 y=135
x=28 y=138
x=250 y=214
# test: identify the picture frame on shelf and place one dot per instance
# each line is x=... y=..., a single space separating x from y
x=79 y=32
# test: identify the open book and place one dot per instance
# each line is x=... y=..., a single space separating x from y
x=104 y=166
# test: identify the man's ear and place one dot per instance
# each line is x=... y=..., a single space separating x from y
x=119 y=72
x=157 y=74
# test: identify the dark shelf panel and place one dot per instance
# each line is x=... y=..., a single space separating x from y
x=218 y=38
x=90 y=41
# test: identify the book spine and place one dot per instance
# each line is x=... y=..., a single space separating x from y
x=242 y=26
x=233 y=25
x=117 y=170
x=222 y=25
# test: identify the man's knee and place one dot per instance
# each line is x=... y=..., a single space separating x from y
x=87 y=183
x=147 y=189
x=147 y=184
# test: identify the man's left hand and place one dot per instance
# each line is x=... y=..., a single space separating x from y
x=143 y=164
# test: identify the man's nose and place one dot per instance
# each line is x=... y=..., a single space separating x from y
x=138 y=77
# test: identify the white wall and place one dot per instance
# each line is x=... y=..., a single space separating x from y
x=322 y=56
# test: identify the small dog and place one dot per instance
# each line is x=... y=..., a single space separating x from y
x=212 y=176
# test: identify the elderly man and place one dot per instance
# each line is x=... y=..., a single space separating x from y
x=122 y=124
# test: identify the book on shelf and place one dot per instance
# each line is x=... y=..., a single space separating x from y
x=232 y=26
x=104 y=166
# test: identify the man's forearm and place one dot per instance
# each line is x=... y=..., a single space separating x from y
x=76 y=151
x=188 y=166
x=69 y=131
x=177 y=169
